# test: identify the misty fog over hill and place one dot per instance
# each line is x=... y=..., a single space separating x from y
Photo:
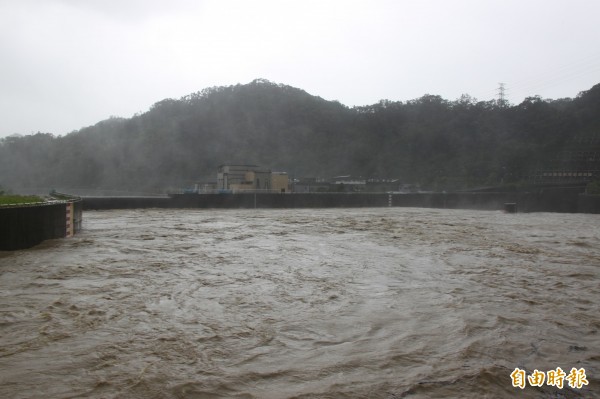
x=430 y=141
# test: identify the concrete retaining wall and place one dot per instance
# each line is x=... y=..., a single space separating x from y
x=25 y=226
x=547 y=200
x=102 y=203
x=526 y=202
x=588 y=203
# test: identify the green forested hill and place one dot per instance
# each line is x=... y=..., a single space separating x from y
x=430 y=141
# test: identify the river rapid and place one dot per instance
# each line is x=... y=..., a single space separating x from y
x=327 y=303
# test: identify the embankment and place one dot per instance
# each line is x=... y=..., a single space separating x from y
x=569 y=201
x=102 y=203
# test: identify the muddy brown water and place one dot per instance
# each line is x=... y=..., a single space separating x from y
x=328 y=303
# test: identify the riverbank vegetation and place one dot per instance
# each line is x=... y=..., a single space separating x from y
x=11 y=199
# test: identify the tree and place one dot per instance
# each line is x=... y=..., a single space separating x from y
x=429 y=140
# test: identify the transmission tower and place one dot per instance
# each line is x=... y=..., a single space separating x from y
x=501 y=95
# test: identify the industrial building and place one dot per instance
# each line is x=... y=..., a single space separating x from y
x=238 y=178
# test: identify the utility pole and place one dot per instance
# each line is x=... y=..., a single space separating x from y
x=501 y=95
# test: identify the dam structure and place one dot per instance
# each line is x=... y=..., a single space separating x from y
x=564 y=200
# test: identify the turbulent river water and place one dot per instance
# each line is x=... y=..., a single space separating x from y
x=327 y=303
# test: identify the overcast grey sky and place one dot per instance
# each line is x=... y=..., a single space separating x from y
x=67 y=64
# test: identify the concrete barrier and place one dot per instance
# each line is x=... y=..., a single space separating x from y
x=26 y=226
x=547 y=200
x=102 y=203
x=588 y=203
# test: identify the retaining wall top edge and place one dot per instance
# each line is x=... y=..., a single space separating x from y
x=34 y=204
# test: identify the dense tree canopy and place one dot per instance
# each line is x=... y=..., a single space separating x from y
x=428 y=141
